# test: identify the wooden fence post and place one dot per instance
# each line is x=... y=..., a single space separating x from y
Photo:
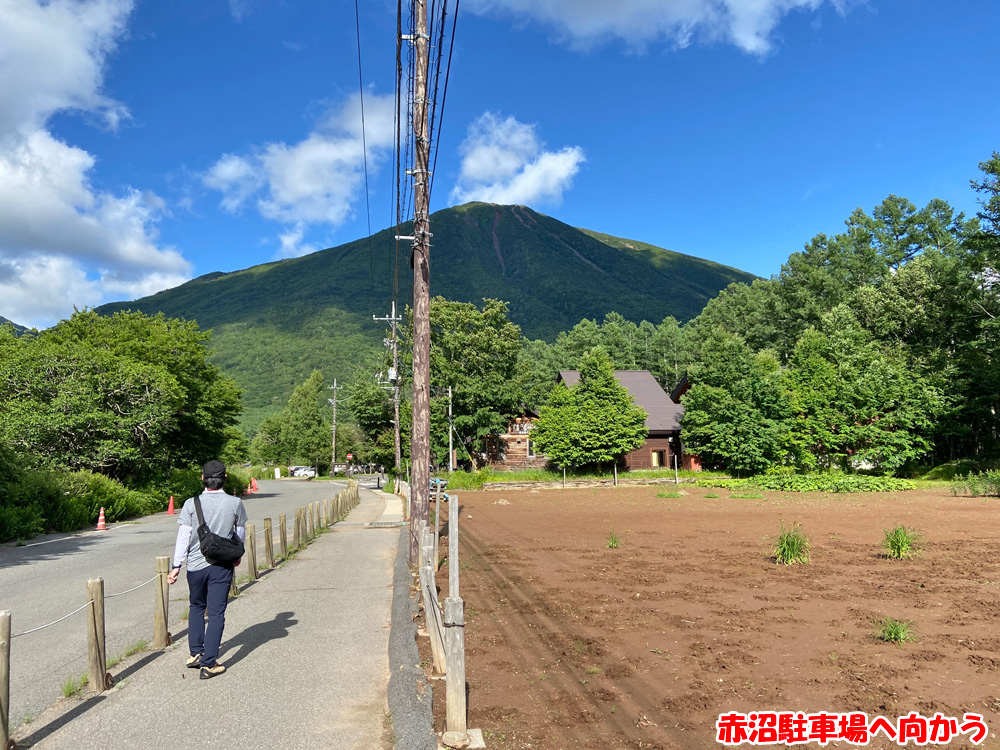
x=4 y=678
x=322 y=516
x=309 y=521
x=316 y=526
x=454 y=628
x=234 y=590
x=251 y=552
x=295 y=531
x=161 y=614
x=283 y=529
x=268 y=543
x=97 y=655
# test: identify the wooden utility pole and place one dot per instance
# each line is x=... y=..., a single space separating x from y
x=420 y=442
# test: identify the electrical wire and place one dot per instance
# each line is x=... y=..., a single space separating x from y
x=364 y=147
x=444 y=95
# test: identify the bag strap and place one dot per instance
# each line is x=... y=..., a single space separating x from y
x=197 y=509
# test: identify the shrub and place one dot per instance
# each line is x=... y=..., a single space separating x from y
x=834 y=482
x=895 y=631
x=900 y=542
x=792 y=545
x=978 y=484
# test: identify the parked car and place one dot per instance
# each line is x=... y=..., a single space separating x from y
x=303 y=471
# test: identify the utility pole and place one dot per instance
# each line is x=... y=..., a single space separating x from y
x=333 y=438
x=420 y=442
x=451 y=430
x=394 y=380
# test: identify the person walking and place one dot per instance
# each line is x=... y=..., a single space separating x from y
x=208 y=583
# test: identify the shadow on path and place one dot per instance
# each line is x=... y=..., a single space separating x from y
x=256 y=636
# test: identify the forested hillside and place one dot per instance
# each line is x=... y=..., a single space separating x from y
x=275 y=323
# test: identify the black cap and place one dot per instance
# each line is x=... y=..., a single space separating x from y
x=214 y=469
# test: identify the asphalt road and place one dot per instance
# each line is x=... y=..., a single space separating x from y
x=46 y=578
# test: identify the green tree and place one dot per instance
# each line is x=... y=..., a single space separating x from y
x=594 y=422
x=476 y=353
x=128 y=396
x=307 y=433
x=736 y=415
x=858 y=404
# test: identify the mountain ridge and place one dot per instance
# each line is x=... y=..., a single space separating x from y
x=276 y=321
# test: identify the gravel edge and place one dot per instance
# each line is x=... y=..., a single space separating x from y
x=409 y=693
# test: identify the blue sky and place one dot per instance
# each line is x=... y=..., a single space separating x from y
x=144 y=143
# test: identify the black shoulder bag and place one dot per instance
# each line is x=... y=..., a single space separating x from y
x=218 y=550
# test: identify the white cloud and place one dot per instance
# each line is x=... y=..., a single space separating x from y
x=316 y=181
x=291 y=242
x=62 y=242
x=584 y=23
x=503 y=161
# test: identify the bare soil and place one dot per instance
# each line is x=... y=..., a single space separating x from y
x=570 y=644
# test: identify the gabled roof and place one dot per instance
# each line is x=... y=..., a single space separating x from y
x=663 y=415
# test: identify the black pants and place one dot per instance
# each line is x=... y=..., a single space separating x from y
x=209 y=589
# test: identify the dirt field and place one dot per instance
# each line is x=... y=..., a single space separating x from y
x=574 y=645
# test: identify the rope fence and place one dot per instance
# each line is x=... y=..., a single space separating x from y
x=54 y=622
x=309 y=521
x=136 y=588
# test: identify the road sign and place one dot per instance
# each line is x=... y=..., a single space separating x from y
x=350 y=456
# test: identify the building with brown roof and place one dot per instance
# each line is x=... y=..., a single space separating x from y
x=662 y=419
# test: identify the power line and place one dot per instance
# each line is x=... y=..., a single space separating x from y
x=444 y=95
x=364 y=147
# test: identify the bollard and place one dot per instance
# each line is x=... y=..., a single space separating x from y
x=97 y=655
x=322 y=515
x=161 y=611
x=295 y=531
x=251 y=552
x=437 y=528
x=268 y=544
x=316 y=526
x=283 y=530
x=4 y=678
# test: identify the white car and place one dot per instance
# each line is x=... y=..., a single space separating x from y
x=303 y=471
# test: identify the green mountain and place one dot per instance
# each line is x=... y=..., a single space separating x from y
x=18 y=330
x=274 y=323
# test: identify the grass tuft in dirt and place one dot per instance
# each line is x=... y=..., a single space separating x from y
x=747 y=492
x=73 y=686
x=891 y=630
x=711 y=496
x=792 y=545
x=614 y=542
x=669 y=493
x=900 y=542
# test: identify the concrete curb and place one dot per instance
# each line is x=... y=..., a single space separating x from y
x=409 y=693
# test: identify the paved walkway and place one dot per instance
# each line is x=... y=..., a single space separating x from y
x=306 y=648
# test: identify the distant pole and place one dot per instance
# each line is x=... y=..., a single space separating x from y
x=451 y=449
x=333 y=429
x=394 y=379
x=420 y=440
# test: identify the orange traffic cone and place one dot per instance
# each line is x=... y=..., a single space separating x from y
x=170 y=506
x=101 y=525
x=254 y=485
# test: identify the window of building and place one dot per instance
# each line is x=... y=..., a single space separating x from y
x=531 y=449
x=659 y=459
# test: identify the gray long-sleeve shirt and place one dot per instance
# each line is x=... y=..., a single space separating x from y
x=223 y=513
